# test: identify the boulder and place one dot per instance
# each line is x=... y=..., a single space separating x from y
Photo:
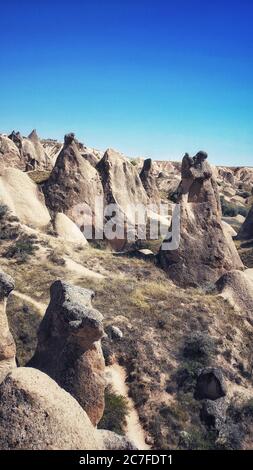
x=68 y=230
x=22 y=196
x=148 y=180
x=69 y=348
x=114 y=332
x=36 y=414
x=210 y=384
x=113 y=441
x=7 y=344
x=204 y=251
x=73 y=185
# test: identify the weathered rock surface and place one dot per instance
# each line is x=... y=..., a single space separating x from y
x=7 y=345
x=74 y=185
x=213 y=413
x=205 y=252
x=22 y=196
x=69 y=347
x=210 y=384
x=36 y=414
x=237 y=288
x=67 y=229
x=246 y=230
x=9 y=154
x=122 y=187
x=148 y=180
x=34 y=154
x=113 y=441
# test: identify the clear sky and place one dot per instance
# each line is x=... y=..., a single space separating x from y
x=147 y=77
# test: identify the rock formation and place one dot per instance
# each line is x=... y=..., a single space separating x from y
x=113 y=441
x=30 y=154
x=122 y=187
x=9 y=154
x=246 y=230
x=22 y=196
x=148 y=180
x=73 y=185
x=68 y=230
x=121 y=182
x=36 y=414
x=7 y=345
x=34 y=154
x=205 y=252
x=238 y=290
x=69 y=349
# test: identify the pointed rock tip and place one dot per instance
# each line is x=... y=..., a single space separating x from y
x=69 y=138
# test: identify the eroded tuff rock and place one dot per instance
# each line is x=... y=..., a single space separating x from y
x=9 y=154
x=246 y=230
x=122 y=187
x=148 y=180
x=68 y=230
x=32 y=155
x=73 y=185
x=205 y=252
x=7 y=345
x=22 y=196
x=237 y=288
x=36 y=414
x=69 y=349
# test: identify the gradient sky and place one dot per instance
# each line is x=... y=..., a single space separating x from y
x=150 y=78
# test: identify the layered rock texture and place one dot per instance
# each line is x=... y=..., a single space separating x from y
x=74 y=185
x=204 y=252
x=69 y=349
x=36 y=414
x=7 y=345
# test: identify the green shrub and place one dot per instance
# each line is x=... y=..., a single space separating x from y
x=199 y=440
x=199 y=347
x=21 y=249
x=116 y=411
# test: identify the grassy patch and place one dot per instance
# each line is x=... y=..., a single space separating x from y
x=116 y=411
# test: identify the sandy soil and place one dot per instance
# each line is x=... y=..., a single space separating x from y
x=39 y=305
x=134 y=431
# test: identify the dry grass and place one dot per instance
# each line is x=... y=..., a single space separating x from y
x=155 y=317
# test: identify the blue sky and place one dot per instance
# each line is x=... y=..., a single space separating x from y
x=150 y=78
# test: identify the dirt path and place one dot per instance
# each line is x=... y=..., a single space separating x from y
x=134 y=431
x=38 y=305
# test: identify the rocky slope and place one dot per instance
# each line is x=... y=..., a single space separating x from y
x=185 y=344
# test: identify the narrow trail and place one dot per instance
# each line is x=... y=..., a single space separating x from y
x=134 y=431
x=40 y=306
